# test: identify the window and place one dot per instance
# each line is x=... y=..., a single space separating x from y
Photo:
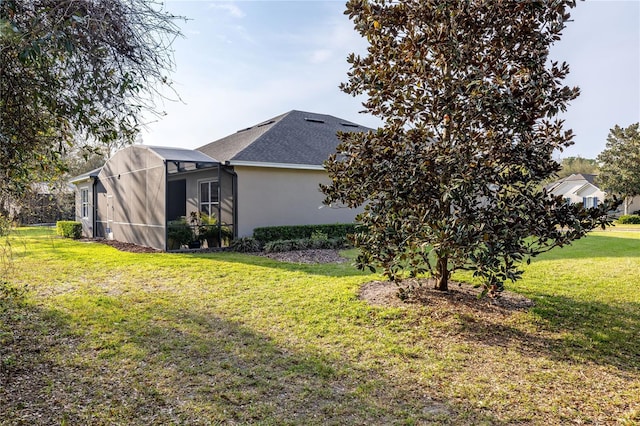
x=84 y=203
x=589 y=202
x=209 y=197
x=567 y=200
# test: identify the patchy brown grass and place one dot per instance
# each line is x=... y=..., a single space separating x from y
x=110 y=337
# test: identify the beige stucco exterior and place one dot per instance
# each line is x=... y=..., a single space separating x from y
x=270 y=196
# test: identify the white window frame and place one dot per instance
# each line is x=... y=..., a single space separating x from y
x=212 y=205
x=84 y=203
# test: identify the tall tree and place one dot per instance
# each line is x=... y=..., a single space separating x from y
x=620 y=163
x=75 y=70
x=572 y=165
x=469 y=98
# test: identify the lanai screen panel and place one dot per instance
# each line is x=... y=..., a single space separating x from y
x=133 y=205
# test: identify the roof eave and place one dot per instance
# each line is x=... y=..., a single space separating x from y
x=275 y=165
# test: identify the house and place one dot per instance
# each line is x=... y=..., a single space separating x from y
x=582 y=188
x=578 y=188
x=264 y=175
x=631 y=205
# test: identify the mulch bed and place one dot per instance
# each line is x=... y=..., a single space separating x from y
x=128 y=247
x=421 y=291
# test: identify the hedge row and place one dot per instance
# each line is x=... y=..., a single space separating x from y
x=629 y=219
x=69 y=229
x=299 y=232
x=305 y=244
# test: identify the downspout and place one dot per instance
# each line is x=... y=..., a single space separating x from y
x=94 y=207
x=219 y=208
x=234 y=194
x=166 y=206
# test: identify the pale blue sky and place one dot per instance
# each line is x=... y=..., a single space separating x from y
x=243 y=62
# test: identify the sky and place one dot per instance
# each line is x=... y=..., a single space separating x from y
x=240 y=63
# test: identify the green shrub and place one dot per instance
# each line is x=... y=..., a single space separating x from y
x=297 y=232
x=245 y=245
x=305 y=244
x=629 y=219
x=278 y=246
x=179 y=233
x=69 y=229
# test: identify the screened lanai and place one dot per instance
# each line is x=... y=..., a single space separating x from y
x=144 y=193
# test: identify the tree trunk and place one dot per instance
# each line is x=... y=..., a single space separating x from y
x=442 y=274
x=627 y=203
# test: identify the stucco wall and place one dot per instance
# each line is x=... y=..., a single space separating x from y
x=272 y=196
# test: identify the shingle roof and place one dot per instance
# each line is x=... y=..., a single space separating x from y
x=296 y=137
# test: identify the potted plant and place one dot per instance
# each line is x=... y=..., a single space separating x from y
x=179 y=233
x=210 y=232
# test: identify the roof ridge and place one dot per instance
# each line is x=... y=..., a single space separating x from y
x=294 y=137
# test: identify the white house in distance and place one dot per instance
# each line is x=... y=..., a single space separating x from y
x=581 y=188
x=578 y=188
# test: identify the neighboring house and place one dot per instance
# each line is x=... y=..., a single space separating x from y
x=264 y=175
x=581 y=188
x=631 y=205
x=578 y=188
x=42 y=203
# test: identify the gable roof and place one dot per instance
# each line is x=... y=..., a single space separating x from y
x=296 y=139
x=576 y=177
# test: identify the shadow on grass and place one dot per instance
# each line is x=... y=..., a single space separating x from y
x=345 y=269
x=570 y=330
x=183 y=367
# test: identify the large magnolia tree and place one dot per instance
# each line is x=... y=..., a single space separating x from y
x=75 y=70
x=620 y=163
x=469 y=98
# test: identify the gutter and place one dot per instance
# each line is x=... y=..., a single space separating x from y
x=274 y=165
x=234 y=194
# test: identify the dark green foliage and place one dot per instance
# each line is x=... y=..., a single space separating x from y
x=571 y=165
x=620 y=163
x=179 y=233
x=207 y=228
x=245 y=245
x=305 y=244
x=69 y=229
x=75 y=70
x=296 y=232
x=469 y=97
x=629 y=219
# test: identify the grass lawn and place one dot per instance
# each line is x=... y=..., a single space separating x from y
x=107 y=337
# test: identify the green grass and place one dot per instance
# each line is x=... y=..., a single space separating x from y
x=106 y=337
